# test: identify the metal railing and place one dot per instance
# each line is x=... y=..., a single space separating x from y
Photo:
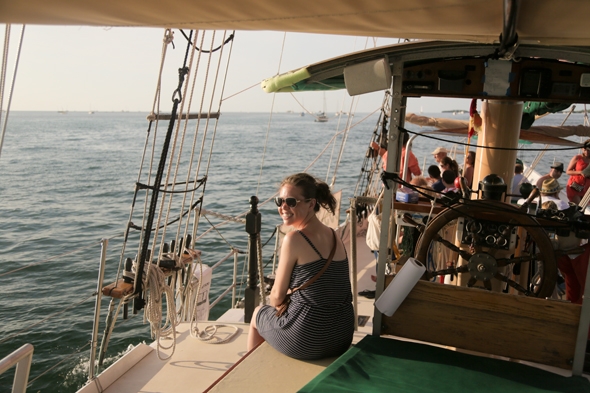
x=22 y=358
x=92 y=374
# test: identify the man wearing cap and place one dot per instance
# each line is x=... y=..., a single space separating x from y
x=517 y=180
x=555 y=173
x=439 y=153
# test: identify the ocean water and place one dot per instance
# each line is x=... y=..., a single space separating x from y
x=67 y=181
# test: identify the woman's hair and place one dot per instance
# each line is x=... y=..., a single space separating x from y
x=549 y=205
x=422 y=185
x=451 y=163
x=405 y=138
x=419 y=181
x=313 y=188
x=471 y=157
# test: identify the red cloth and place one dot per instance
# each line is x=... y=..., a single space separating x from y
x=413 y=165
x=574 y=272
x=580 y=179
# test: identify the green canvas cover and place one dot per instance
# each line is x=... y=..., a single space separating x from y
x=379 y=364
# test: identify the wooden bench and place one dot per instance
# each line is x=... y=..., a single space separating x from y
x=518 y=327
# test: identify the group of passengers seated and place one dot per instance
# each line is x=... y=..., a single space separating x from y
x=442 y=178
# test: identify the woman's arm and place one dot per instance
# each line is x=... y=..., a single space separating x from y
x=287 y=261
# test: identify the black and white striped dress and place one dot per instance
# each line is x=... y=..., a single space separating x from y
x=319 y=322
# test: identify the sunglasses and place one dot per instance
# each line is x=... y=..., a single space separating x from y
x=291 y=202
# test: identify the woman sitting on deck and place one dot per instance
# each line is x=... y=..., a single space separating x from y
x=319 y=321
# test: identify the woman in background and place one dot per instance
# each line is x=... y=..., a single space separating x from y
x=578 y=169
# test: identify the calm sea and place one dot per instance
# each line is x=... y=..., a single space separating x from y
x=67 y=180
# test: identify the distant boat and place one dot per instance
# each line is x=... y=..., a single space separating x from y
x=302 y=114
x=321 y=117
x=62 y=112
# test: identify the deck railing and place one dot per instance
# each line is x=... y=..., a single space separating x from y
x=22 y=358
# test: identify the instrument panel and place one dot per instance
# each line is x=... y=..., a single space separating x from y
x=484 y=233
x=526 y=79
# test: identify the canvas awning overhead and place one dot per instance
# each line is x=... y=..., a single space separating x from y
x=546 y=22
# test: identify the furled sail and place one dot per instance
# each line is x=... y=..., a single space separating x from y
x=553 y=135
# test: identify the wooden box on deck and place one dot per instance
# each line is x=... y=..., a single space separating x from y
x=518 y=327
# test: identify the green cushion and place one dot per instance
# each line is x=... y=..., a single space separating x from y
x=378 y=364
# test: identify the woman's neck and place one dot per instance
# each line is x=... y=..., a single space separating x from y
x=309 y=222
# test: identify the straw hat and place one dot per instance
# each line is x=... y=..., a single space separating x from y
x=550 y=186
x=439 y=150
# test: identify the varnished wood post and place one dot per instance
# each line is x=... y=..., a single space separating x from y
x=253 y=226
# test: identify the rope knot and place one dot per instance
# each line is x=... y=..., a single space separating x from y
x=168 y=37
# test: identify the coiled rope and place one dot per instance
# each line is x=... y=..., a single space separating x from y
x=210 y=331
x=157 y=287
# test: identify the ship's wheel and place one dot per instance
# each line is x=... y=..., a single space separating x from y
x=488 y=235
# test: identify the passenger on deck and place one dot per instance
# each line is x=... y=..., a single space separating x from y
x=468 y=170
x=518 y=180
x=448 y=163
x=448 y=179
x=439 y=153
x=579 y=171
x=413 y=165
x=574 y=269
x=319 y=321
x=550 y=192
x=555 y=172
x=434 y=174
x=438 y=185
x=422 y=185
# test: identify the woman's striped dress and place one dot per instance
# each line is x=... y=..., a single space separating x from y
x=319 y=322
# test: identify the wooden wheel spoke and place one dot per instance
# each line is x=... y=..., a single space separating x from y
x=452 y=270
x=464 y=254
x=513 y=284
x=509 y=261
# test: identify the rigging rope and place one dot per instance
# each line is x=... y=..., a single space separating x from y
x=167 y=40
x=3 y=76
x=230 y=38
x=270 y=118
x=182 y=280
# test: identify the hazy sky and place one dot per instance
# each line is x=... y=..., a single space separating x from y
x=114 y=69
